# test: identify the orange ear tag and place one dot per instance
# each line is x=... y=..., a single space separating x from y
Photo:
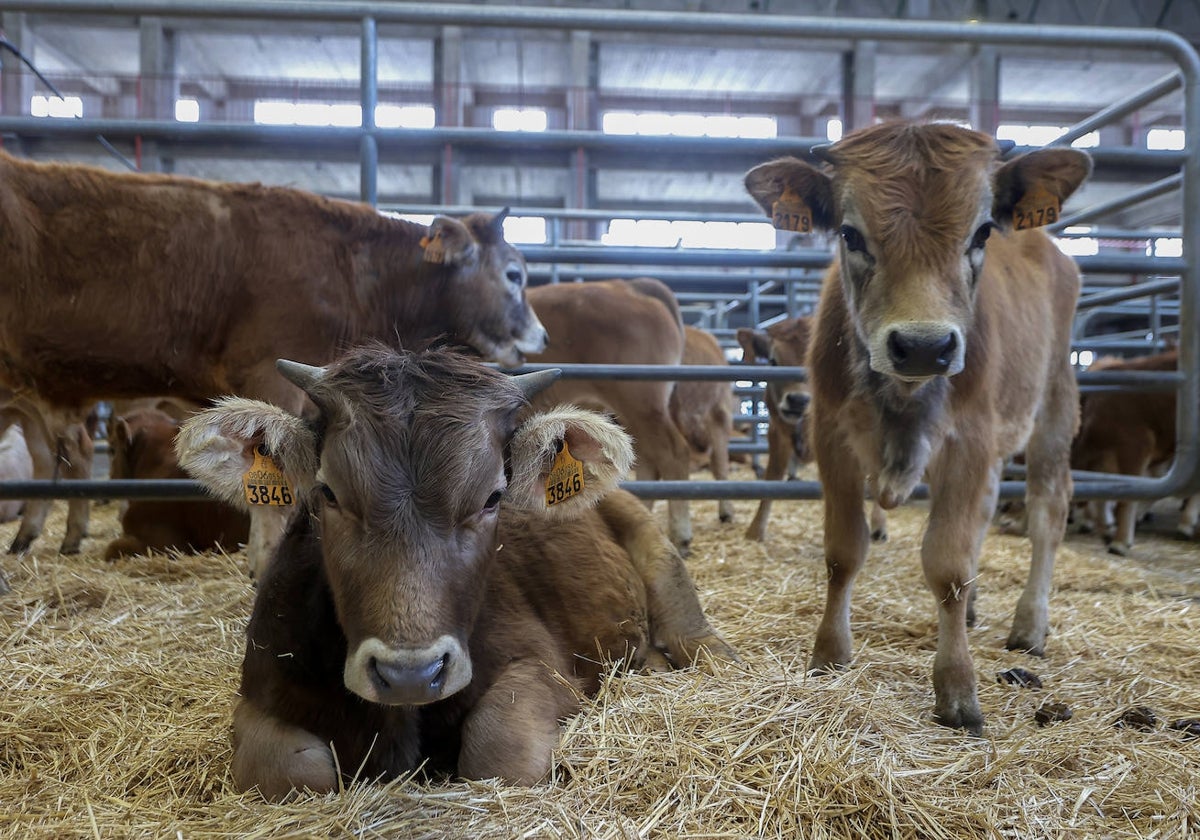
x=566 y=477
x=265 y=483
x=1036 y=208
x=435 y=249
x=791 y=212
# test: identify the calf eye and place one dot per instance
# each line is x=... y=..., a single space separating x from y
x=493 y=501
x=330 y=498
x=981 y=236
x=514 y=276
x=853 y=239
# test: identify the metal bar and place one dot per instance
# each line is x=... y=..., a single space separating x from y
x=589 y=214
x=368 y=79
x=673 y=373
x=168 y=488
x=1160 y=187
x=1154 y=287
x=1121 y=108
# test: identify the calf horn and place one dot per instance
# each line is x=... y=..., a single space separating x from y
x=301 y=375
x=497 y=222
x=531 y=383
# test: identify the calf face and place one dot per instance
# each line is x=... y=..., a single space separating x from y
x=913 y=213
x=404 y=472
x=784 y=343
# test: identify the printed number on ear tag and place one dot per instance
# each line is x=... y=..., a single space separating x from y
x=435 y=248
x=790 y=212
x=1036 y=208
x=265 y=483
x=566 y=477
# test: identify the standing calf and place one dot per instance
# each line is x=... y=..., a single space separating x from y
x=425 y=602
x=938 y=350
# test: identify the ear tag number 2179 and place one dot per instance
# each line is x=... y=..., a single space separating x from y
x=566 y=477
x=265 y=483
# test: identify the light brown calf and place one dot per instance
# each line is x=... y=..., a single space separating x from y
x=703 y=410
x=937 y=352
x=620 y=322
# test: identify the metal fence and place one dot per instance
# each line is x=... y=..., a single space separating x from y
x=788 y=275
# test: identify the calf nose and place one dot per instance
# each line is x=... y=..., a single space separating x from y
x=921 y=355
x=795 y=402
x=398 y=683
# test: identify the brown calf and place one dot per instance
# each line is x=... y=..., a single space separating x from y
x=937 y=351
x=703 y=410
x=1131 y=434
x=142 y=445
x=622 y=322
x=136 y=285
x=425 y=603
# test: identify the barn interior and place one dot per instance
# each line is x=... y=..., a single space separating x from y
x=618 y=133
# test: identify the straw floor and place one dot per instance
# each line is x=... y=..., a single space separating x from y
x=117 y=681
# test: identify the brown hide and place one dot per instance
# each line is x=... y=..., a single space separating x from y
x=1130 y=433
x=784 y=343
x=634 y=322
x=937 y=351
x=703 y=411
x=141 y=445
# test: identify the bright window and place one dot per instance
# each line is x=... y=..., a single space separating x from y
x=274 y=112
x=1040 y=135
x=660 y=233
x=405 y=116
x=687 y=125
x=525 y=230
x=519 y=119
x=833 y=130
x=1083 y=358
x=187 y=110
x=1167 y=139
x=55 y=106
x=1166 y=247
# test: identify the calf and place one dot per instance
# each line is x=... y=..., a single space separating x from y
x=937 y=351
x=703 y=409
x=141 y=445
x=1132 y=434
x=425 y=603
x=15 y=465
x=622 y=322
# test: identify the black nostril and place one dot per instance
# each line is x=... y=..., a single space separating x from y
x=439 y=671
x=921 y=354
x=897 y=347
x=376 y=675
x=946 y=348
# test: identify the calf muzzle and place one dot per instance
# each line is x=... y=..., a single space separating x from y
x=407 y=676
x=921 y=353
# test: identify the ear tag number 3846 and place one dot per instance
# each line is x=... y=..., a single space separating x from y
x=265 y=483
x=566 y=477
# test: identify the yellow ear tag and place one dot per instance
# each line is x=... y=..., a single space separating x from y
x=1036 y=208
x=435 y=249
x=790 y=212
x=265 y=483
x=566 y=477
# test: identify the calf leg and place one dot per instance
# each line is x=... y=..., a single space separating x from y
x=718 y=462
x=879 y=523
x=512 y=731
x=1133 y=459
x=779 y=454
x=677 y=621
x=41 y=453
x=660 y=445
x=76 y=451
x=276 y=757
x=1189 y=515
x=846 y=542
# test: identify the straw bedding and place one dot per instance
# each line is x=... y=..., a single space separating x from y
x=118 y=679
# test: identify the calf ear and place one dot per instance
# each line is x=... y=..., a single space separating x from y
x=767 y=182
x=756 y=344
x=118 y=435
x=449 y=242
x=604 y=448
x=1042 y=178
x=217 y=446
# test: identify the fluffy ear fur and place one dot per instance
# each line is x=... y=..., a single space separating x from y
x=216 y=446
x=604 y=448
x=755 y=344
x=766 y=183
x=457 y=242
x=1058 y=171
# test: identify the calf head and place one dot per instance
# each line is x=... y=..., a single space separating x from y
x=403 y=475
x=486 y=290
x=913 y=206
x=784 y=343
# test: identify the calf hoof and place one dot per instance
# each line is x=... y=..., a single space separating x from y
x=71 y=547
x=967 y=718
x=1188 y=533
x=1019 y=643
x=818 y=665
x=20 y=544
x=725 y=516
x=879 y=535
x=1119 y=548
x=1084 y=528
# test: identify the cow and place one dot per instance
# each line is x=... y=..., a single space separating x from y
x=622 y=322
x=938 y=349
x=788 y=440
x=136 y=285
x=1131 y=434
x=15 y=465
x=142 y=445
x=703 y=410
x=425 y=603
